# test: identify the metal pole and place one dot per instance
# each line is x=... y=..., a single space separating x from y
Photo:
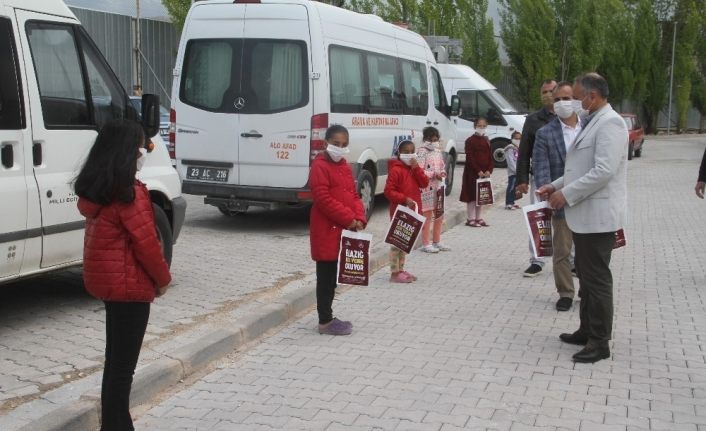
x=671 y=80
x=137 y=89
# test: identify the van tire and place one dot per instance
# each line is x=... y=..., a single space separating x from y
x=638 y=152
x=450 y=170
x=631 y=150
x=366 y=191
x=164 y=232
x=497 y=148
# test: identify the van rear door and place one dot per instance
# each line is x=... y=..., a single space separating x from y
x=275 y=120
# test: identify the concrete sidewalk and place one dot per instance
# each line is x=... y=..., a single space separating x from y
x=473 y=345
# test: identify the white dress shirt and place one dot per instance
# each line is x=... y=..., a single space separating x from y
x=570 y=133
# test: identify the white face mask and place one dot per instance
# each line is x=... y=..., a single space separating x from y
x=336 y=153
x=429 y=145
x=480 y=131
x=141 y=160
x=564 y=108
x=407 y=158
x=578 y=107
x=516 y=142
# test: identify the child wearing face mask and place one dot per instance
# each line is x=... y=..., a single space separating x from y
x=479 y=164
x=511 y=154
x=432 y=161
x=336 y=206
x=404 y=180
x=123 y=264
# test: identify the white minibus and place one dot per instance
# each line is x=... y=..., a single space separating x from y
x=480 y=98
x=258 y=82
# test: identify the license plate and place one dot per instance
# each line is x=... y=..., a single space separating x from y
x=207 y=174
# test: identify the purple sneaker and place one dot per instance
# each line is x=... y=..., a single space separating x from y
x=336 y=327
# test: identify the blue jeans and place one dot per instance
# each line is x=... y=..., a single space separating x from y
x=510 y=192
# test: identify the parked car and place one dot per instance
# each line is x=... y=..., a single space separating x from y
x=163 y=121
x=636 y=135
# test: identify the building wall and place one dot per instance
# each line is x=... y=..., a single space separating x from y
x=113 y=34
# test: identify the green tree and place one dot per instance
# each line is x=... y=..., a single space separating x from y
x=527 y=29
x=646 y=50
x=698 y=89
x=177 y=11
x=480 y=48
x=684 y=58
x=618 y=65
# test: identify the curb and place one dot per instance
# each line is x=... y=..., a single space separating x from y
x=174 y=367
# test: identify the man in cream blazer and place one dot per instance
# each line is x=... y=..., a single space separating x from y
x=593 y=193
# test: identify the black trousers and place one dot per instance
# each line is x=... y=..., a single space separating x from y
x=325 y=289
x=125 y=325
x=593 y=252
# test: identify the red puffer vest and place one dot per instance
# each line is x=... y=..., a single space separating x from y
x=336 y=206
x=122 y=256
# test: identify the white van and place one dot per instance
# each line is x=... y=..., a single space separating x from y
x=258 y=82
x=480 y=98
x=56 y=90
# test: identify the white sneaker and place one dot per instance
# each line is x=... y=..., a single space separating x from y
x=441 y=246
x=430 y=249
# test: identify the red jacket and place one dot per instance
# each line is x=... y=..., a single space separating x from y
x=336 y=206
x=404 y=182
x=122 y=256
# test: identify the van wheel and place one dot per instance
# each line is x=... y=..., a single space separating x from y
x=164 y=232
x=498 y=149
x=631 y=150
x=450 y=169
x=366 y=190
x=229 y=212
x=638 y=152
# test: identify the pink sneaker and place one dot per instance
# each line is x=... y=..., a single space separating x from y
x=410 y=275
x=400 y=277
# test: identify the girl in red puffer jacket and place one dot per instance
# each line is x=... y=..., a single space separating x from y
x=337 y=206
x=123 y=263
x=404 y=179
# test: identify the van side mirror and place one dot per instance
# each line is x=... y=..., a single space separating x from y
x=455 y=106
x=150 y=114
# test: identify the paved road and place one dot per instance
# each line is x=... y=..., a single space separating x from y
x=474 y=345
x=51 y=331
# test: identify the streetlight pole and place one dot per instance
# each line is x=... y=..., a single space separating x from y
x=671 y=79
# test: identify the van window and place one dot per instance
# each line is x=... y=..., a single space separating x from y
x=247 y=76
x=347 y=88
x=439 y=94
x=11 y=105
x=414 y=84
x=58 y=70
x=473 y=104
x=107 y=95
x=383 y=83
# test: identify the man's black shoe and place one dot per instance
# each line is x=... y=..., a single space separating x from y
x=591 y=354
x=575 y=338
x=573 y=272
x=532 y=270
x=564 y=304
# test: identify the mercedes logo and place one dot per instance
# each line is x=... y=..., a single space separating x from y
x=239 y=103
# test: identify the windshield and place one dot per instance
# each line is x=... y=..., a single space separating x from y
x=500 y=102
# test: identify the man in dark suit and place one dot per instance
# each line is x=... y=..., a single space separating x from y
x=593 y=192
x=533 y=122
x=548 y=157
